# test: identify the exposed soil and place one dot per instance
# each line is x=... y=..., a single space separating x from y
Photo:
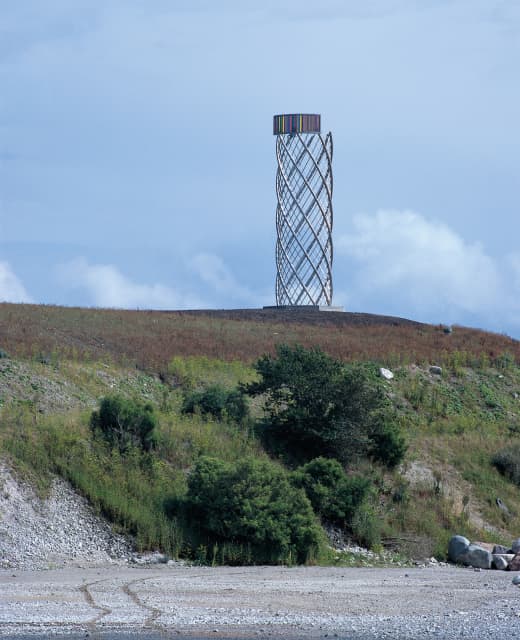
x=305 y=315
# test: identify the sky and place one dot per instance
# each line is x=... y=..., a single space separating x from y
x=137 y=161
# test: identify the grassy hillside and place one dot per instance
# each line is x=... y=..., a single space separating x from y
x=150 y=339
x=59 y=362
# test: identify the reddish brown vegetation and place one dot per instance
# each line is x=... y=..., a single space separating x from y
x=149 y=339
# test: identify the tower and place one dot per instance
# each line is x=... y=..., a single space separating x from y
x=303 y=212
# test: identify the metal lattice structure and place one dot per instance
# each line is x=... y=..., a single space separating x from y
x=304 y=211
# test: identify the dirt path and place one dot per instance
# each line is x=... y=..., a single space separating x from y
x=257 y=602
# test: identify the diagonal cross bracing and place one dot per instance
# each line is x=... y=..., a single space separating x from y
x=304 y=219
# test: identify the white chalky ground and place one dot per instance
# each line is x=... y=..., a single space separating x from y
x=261 y=602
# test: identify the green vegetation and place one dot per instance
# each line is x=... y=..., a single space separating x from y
x=251 y=511
x=317 y=406
x=173 y=454
x=507 y=462
x=334 y=496
x=125 y=423
x=217 y=402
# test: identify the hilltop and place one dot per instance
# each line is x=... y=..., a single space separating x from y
x=150 y=339
x=58 y=362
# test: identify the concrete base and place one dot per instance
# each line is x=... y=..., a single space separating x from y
x=305 y=307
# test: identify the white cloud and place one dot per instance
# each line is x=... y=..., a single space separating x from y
x=213 y=271
x=108 y=287
x=11 y=288
x=422 y=265
x=513 y=260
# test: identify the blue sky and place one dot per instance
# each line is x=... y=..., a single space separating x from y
x=137 y=162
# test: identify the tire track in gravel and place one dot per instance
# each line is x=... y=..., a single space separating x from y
x=104 y=611
x=153 y=612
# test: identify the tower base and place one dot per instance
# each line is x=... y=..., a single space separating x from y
x=305 y=307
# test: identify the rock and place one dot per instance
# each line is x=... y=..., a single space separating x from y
x=488 y=546
x=516 y=580
x=502 y=506
x=456 y=547
x=149 y=558
x=514 y=565
x=386 y=373
x=60 y=530
x=515 y=547
x=499 y=549
x=436 y=370
x=499 y=562
x=476 y=557
x=508 y=557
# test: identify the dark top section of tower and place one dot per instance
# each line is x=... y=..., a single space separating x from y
x=296 y=123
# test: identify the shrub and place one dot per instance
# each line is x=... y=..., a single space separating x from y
x=316 y=406
x=252 y=505
x=388 y=444
x=217 y=402
x=507 y=462
x=333 y=495
x=125 y=423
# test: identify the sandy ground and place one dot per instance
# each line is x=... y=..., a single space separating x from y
x=238 y=602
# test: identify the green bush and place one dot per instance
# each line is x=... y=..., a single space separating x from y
x=316 y=406
x=507 y=462
x=125 y=423
x=388 y=444
x=253 y=506
x=217 y=402
x=333 y=495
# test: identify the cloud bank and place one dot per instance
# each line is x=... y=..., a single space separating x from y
x=11 y=288
x=108 y=287
x=424 y=268
x=212 y=270
x=208 y=275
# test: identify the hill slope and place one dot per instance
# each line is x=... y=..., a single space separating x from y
x=58 y=362
x=150 y=339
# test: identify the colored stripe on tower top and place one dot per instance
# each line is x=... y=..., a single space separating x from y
x=296 y=123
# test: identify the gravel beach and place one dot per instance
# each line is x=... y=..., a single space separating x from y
x=259 y=602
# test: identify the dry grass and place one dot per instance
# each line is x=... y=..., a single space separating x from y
x=150 y=339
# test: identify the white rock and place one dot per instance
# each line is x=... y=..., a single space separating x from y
x=516 y=580
x=386 y=373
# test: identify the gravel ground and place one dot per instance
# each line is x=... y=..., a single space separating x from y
x=238 y=602
x=63 y=571
x=58 y=531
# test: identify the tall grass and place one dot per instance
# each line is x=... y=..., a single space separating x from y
x=196 y=371
x=133 y=489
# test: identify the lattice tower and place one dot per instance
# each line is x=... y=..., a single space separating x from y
x=304 y=218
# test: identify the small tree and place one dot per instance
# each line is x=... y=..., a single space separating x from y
x=217 y=402
x=334 y=496
x=125 y=423
x=316 y=406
